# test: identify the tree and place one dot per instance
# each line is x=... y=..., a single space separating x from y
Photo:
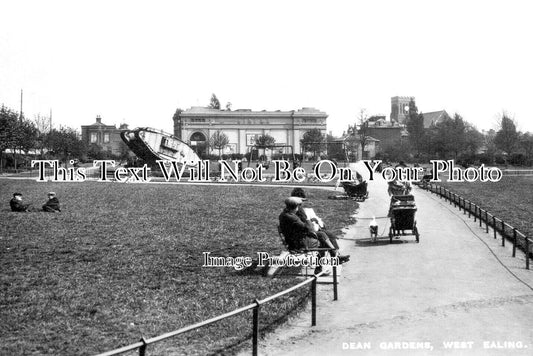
x=363 y=130
x=490 y=146
x=228 y=106
x=94 y=152
x=65 y=144
x=43 y=125
x=214 y=104
x=265 y=141
x=8 y=128
x=415 y=127
x=457 y=143
x=26 y=138
x=507 y=137
x=313 y=141
x=450 y=137
x=473 y=139
x=219 y=140
x=526 y=143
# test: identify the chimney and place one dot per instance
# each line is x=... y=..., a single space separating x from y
x=98 y=119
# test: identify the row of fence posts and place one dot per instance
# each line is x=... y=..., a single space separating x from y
x=482 y=215
x=255 y=306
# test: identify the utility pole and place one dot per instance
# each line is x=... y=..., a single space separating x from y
x=20 y=105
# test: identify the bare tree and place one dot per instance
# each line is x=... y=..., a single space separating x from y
x=362 y=130
x=43 y=126
x=219 y=140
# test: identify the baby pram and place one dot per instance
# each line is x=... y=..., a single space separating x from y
x=424 y=183
x=358 y=191
x=402 y=216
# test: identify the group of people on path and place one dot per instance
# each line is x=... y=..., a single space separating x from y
x=51 y=205
x=303 y=229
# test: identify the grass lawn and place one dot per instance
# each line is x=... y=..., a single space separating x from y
x=510 y=199
x=124 y=260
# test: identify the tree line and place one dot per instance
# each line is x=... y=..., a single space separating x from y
x=23 y=139
x=453 y=137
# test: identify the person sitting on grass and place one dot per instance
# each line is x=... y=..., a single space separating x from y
x=318 y=226
x=16 y=203
x=52 y=205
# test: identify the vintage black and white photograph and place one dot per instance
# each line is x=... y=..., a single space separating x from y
x=266 y=177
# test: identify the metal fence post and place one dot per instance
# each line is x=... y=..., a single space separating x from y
x=494 y=225
x=486 y=222
x=313 y=301
x=469 y=208
x=503 y=233
x=527 y=252
x=514 y=241
x=255 y=328
x=142 y=349
x=335 y=294
x=475 y=212
x=480 y=215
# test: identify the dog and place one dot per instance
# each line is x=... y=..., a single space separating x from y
x=373 y=226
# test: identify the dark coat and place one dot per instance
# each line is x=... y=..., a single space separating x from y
x=52 y=204
x=17 y=205
x=294 y=229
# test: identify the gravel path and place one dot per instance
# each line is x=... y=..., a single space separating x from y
x=456 y=292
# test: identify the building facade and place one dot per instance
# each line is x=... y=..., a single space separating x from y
x=105 y=136
x=197 y=124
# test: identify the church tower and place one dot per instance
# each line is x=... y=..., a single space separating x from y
x=400 y=108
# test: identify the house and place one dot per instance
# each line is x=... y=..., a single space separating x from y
x=105 y=136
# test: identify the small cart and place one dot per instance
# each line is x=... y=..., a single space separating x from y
x=358 y=191
x=402 y=216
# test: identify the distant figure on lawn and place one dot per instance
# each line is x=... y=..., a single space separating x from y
x=52 y=205
x=17 y=204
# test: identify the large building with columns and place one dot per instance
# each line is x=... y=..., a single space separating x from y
x=197 y=124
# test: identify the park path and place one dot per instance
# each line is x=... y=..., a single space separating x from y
x=457 y=285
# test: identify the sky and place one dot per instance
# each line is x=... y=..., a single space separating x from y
x=136 y=62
